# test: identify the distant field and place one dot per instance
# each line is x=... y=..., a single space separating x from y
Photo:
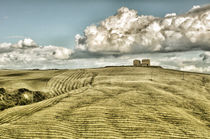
x=111 y=102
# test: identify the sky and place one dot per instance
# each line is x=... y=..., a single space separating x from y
x=63 y=33
x=56 y=22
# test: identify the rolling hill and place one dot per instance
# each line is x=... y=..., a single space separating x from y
x=111 y=102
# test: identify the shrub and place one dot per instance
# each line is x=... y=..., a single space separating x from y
x=2 y=91
x=20 y=96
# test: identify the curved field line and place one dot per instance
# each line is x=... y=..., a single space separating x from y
x=12 y=114
x=68 y=81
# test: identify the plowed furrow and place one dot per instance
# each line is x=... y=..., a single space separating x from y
x=68 y=81
x=19 y=112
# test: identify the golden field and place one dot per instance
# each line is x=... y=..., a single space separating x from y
x=111 y=102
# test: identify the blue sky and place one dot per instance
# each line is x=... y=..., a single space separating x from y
x=41 y=33
x=56 y=22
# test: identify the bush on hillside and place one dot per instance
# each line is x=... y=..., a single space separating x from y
x=20 y=96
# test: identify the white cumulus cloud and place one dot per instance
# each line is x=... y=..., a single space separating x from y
x=127 y=32
x=27 y=54
x=175 y=41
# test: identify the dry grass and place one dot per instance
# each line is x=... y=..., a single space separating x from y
x=113 y=102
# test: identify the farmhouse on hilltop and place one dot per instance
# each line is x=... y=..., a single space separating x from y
x=138 y=63
x=145 y=62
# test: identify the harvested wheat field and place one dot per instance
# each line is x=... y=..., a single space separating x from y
x=112 y=102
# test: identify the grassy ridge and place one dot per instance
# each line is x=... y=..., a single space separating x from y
x=57 y=85
x=29 y=79
x=119 y=102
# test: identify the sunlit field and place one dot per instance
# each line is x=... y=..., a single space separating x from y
x=111 y=102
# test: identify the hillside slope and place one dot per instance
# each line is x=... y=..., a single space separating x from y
x=115 y=102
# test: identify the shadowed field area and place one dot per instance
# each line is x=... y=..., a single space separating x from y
x=112 y=102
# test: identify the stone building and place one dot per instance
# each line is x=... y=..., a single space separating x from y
x=145 y=62
x=136 y=63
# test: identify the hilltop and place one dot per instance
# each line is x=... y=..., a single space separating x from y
x=110 y=102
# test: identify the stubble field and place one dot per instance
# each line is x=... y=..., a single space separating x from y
x=112 y=102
